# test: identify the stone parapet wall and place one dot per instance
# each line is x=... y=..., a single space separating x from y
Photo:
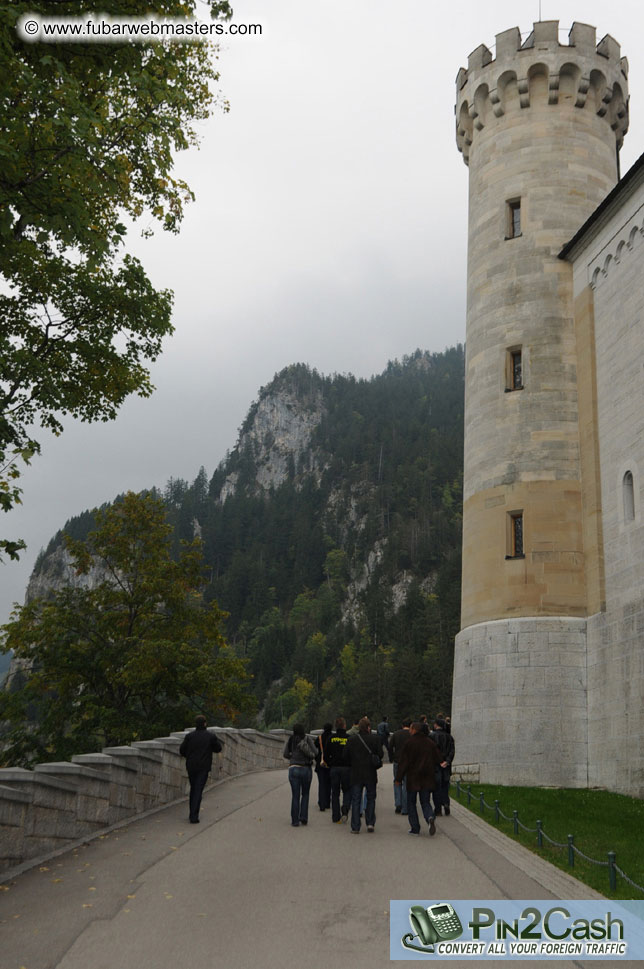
x=56 y=804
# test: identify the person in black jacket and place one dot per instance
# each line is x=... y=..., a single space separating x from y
x=446 y=745
x=398 y=740
x=198 y=747
x=360 y=750
x=336 y=758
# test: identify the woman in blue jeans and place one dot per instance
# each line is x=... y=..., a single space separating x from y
x=300 y=753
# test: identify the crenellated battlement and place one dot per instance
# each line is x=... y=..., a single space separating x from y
x=583 y=73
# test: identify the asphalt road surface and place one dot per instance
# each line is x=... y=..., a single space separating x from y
x=245 y=890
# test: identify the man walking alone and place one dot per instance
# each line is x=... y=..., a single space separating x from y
x=198 y=747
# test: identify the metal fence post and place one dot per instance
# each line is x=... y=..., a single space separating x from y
x=497 y=810
x=612 y=874
x=539 y=835
x=481 y=802
x=571 y=851
x=515 y=821
x=469 y=795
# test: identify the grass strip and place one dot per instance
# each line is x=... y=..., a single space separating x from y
x=599 y=821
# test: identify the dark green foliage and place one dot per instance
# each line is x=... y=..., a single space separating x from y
x=129 y=656
x=88 y=134
x=368 y=514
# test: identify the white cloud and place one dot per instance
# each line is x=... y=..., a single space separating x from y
x=329 y=228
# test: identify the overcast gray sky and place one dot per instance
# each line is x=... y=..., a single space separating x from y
x=329 y=228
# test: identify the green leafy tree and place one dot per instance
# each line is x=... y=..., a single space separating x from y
x=315 y=652
x=87 y=133
x=268 y=649
x=132 y=655
x=293 y=705
x=336 y=569
x=304 y=614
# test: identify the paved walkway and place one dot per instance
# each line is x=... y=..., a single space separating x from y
x=244 y=889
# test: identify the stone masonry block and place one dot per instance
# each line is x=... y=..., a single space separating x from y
x=12 y=846
x=43 y=821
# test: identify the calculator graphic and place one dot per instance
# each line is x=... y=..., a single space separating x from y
x=436 y=923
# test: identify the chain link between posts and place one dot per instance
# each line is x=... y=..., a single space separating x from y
x=573 y=850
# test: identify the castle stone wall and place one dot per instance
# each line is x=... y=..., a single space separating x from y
x=56 y=804
x=539 y=126
x=609 y=265
x=521 y=713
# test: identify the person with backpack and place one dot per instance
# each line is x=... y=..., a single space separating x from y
x=300 y=754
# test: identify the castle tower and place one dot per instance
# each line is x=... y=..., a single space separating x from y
x=540 y=127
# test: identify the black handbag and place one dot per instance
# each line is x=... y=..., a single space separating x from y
x=376 y=759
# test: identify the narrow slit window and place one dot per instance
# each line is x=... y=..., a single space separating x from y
x=516 y=375
x=515 y=536
x=628 y=493
x=514 y=218
x=513 y=369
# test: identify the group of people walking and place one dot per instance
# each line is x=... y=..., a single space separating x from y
x=347 y=764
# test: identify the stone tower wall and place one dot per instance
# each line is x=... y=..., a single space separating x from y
x=539 y=125
x=534 y=124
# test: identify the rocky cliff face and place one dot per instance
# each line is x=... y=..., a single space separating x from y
x=57 y=571
x=277 y=440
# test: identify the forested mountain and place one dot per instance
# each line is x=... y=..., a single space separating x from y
x=332 y=538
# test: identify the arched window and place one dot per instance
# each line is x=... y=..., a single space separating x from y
x=628 y=494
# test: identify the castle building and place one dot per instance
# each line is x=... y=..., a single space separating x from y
x=549 y=663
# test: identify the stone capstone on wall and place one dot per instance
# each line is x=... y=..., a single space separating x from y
x=55 y=804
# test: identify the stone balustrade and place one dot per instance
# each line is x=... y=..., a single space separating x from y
x=56 y=804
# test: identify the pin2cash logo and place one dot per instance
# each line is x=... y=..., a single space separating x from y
x=436 y=923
